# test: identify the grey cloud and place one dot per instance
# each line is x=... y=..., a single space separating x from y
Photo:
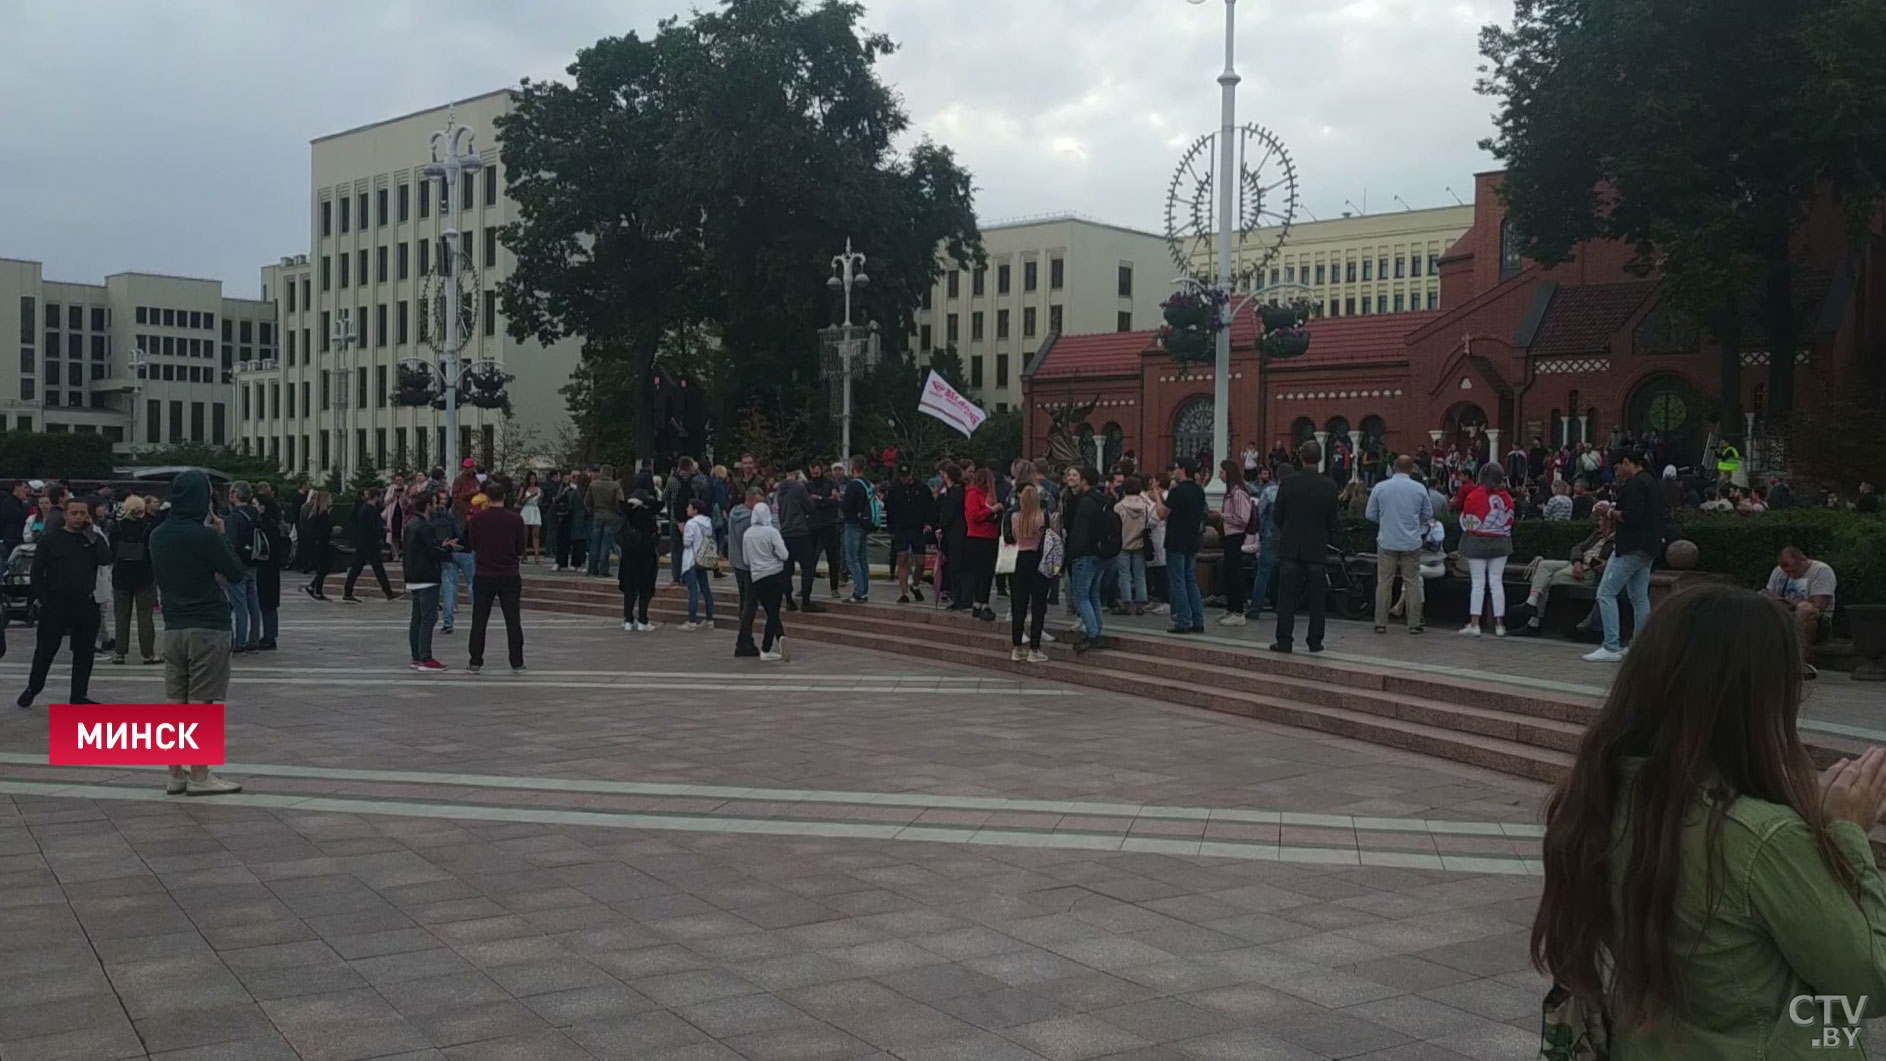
x=173 y=137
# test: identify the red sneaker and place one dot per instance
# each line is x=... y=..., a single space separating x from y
x=429 y=664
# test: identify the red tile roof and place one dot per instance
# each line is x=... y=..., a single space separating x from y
x=1332 y=339
x=1582 y=320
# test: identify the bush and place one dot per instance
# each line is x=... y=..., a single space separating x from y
x=31 y=455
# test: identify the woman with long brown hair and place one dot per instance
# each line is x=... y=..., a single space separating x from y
x=1028 y=591
x=1700 y=874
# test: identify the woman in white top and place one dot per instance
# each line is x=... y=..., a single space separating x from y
x=766 y=557
x=532 y=511
x=697 y=539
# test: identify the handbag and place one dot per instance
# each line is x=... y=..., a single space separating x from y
x=1005 y=558
x=1053 y=552
x=1572 y=1029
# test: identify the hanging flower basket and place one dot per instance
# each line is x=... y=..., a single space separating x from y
x=1282 y=318
x=414 y=384
x=1286 y=344
x=1189 y=344
x=483 y=385
x=1192 y=314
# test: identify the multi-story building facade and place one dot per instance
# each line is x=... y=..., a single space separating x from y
x=375 y=248
x=1062 y=274
x=143 y=359
x=1368 y=264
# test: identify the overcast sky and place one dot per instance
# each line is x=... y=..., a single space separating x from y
x=172 y=135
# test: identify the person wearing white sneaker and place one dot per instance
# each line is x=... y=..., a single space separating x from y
x=186 y=556
x=1027 y=528
x=1486 y=540
x=1639 y=511
x=767 y=556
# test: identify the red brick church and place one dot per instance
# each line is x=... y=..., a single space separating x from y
x=1565 y=354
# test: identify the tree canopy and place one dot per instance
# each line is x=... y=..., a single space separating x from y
x=1699 y=132
x=700 y=180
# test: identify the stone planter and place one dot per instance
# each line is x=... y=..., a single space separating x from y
x=1868 y=623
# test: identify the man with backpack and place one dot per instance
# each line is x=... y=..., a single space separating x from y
x=240 y=529
x=863 y=514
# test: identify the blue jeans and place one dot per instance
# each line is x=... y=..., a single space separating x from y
x=601 y=540
x=1626 y=573
x=699 y=588
x=1085 y=590
x=858 y=561
x=1267 y=547
x=1130 y=568
x=460 y=565
x=246 y=609
x=1188 y=606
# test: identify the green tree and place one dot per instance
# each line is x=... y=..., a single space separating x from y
x=948 y=363
x=705 y=176
x=1698 y=132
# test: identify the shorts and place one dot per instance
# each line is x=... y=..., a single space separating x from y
x=907 y=541
x=196 y=665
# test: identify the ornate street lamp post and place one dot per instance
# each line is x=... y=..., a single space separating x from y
x=344 y=335
x=452 y=158
x=847 y=273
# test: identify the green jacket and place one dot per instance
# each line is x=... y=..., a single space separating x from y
x=187 y=554
x=1783 y=927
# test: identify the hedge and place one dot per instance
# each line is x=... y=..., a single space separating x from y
x=32 y=455
x=1742 y=547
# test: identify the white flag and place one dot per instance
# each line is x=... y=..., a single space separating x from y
x=941 y=401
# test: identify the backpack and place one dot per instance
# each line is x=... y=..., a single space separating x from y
x=874 y=508
x=707 y=554
x=1053 y=554
x=1111 y=533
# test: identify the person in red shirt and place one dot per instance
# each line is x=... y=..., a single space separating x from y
x=464 y=488
x=497 y=538
x=982 y=515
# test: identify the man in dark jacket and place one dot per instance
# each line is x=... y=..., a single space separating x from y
x=497 y=540
x=239 y=529
x=909 y=511
x=14 y=509
x=425 y=545
x=65 y=572
x=794 y=512
x=1081 y=517
x=187 y=557
x=823 y=521
x=1306 y=520
x=1640 y=513
x=368 y=531
x=857 y=508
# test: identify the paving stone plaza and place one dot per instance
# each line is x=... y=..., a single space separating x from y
x=641 y=850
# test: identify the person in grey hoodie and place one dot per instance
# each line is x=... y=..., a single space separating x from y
x=738 y=521
x=795 y=528
x=767 y=560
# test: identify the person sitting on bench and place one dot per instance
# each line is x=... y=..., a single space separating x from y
x=1587 y=561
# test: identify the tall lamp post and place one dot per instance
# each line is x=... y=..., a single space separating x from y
x=847 y=273
x=1227 y=182
x=452 y=158
x=136 y=366
x=343 y=337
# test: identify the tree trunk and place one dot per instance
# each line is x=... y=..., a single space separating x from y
x=1778 y=321
x=1729 y=340
x=646 y=415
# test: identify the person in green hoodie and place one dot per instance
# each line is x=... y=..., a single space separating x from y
x=188 y=553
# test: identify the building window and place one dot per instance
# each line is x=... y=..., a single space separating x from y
x=1349 y=306
x=1001 y=370
x=379 y=324
x=344 y=261
x=425 y=210
x=928 y=300
x=975 y=327
x=362 y=203
x=361 y=269
x=1381 y=269
x=291 y=296
x=141 y=314
x=1054 y=319
x=976 y=281
x=949 y=325
x=52 y=313
x=400 y=198
x=1434 y=264
x=98 y=348
x=1126 y=282
x=491 y=246
x=1028 y=322
x=379 y=202
x=324 y=434
x=306 y=302
x=403 y=263
x=1414 y=265
x=1030 y=275
x=1001 y=322
x=1001 y=279
x=425 y=257
x=196 y=421
x=176 y=422
x=379 y=387
x=975 y=373
x=327 y=331
x=465 y=192
x=1509 y=249
x=346 y=212
x=923 y=339
x=1319 y=274
x=275 y=395
x=52 y=373
x=291 y=349
x=1434 y=300
x=1400 y=265
x=1123 y=321
x=1398 y=302
x=52 y=344
x=399 y=315
x=327 y=224
x=491 y=312
x=953 y=281
x=1057 y=274
x=98 y=318
x=379 y=264
x=491 y=184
